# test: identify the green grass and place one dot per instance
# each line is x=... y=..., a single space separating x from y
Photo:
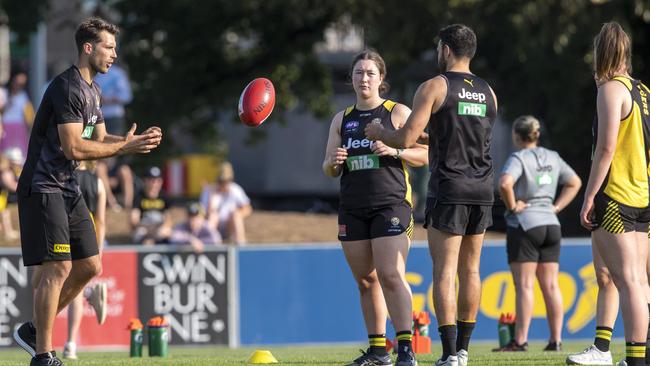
x=480 y=355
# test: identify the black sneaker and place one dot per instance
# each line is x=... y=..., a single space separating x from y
x=553 y=346
x=371 y=359
x=25 y=336
x=48 y=359
x=512 y=347
x=406 y=359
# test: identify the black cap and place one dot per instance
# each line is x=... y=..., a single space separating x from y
x=194 y=209
x=152 y=172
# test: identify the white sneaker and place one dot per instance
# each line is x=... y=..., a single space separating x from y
x=450 y=361
x=591 y=356
x=463 y=356
x=97 y=299
x=70 y=351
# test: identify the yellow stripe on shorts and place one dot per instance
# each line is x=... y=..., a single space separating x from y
x=612 y=222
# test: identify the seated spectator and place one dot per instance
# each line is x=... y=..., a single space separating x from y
x=118 y=178
x=150 y=218
x=10 y=166
x=195 y=231
x=227 y=205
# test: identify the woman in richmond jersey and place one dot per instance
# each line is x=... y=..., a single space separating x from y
x=528 y=187
x=375 y=221
x=617 y=198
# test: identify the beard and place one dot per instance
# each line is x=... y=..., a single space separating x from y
x=98 y=67
x=442 y=64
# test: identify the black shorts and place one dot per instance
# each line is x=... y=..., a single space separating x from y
x=377 y=222
x=458 y=219
x=55 y=228
x=540 y=244
x=617 y=218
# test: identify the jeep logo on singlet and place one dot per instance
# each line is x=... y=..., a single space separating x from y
x=362 y=162
x=355 y=144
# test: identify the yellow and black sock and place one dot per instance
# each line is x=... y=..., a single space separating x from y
x=377 y=344
x=448 y=340
x=603 y=338
x=647 y=344
x=465 y=328
x=404 y=341
x=635 y=353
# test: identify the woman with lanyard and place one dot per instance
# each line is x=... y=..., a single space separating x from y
x=528 y=187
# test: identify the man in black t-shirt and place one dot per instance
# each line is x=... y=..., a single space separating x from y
x=57 y=234
x=460 y=109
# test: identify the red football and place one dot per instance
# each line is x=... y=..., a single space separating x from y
x=256 y=102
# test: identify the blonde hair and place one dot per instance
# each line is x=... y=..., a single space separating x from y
x=612 y=49
x=527 y=128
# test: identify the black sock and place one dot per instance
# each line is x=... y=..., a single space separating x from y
x=635 y=353
x=45 y=355
x=603 y=338
x=448 y=340
x=377 y=344
x=465 y=328
x=404 y=341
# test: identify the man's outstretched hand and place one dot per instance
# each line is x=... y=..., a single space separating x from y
x=143 y=143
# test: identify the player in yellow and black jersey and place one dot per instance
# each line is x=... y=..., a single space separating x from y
x=617 y=196
x=375 y=218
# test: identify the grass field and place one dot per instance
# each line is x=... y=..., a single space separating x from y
x=480 y=355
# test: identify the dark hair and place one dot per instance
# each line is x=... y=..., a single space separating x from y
x=612 y=49
x=527 y=128
x=370 y=54
x=460 y=39
x=89 y=29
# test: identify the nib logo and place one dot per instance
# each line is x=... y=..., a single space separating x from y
x=363 y=162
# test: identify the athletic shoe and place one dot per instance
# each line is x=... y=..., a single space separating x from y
x=371 y=359
x=70 y=350
x=553 y=346
x=450 y=361
x=52 y=360
x=590 y=356
x=97 y=299
x=406 y=359
x=25 y=336
x=512 y=347
x=463 y=357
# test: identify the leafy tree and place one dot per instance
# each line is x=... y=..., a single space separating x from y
x=190 y=59
x=23 y=15
x=536 y=54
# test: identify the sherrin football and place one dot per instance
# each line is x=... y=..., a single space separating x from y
x=256 y=102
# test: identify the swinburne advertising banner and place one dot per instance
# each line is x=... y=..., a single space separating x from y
x=15 y=296
x=190 y=290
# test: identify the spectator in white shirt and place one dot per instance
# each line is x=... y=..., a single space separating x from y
x=227 y=205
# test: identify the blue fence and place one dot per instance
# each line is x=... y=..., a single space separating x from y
x=304 y=294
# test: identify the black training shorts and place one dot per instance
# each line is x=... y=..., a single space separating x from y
x=540 y=244
x=372 y=223
x=458 y=219
x=617 y=218
x=55 y=228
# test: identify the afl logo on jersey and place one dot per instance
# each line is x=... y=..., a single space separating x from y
x=351 y=126
x=376 y=120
